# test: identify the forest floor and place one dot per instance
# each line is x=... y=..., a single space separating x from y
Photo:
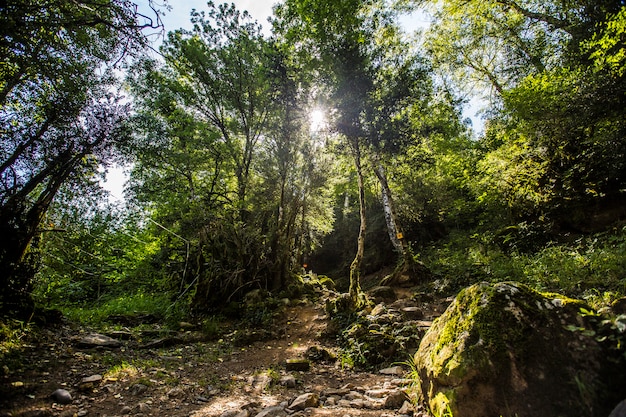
x=186 y=375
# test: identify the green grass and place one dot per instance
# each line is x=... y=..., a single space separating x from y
x=592 y=267
x=157 y=305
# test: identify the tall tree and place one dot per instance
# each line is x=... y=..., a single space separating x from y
x=335 y=37
x=55 y=112
x=221 y=67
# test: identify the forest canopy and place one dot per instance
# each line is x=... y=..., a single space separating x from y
x=232 y=187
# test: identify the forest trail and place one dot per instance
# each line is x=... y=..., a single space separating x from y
x=199 y=378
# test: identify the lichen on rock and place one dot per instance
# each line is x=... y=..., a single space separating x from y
x=504 y=349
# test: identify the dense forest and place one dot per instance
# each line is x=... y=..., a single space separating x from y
x=333 y=148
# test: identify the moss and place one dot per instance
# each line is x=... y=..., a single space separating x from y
x=494 y=336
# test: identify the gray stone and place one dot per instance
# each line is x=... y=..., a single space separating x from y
x=272 y=412
x=377 y=393
x=382 y=293
x=90 y=382
x=230 y=413
x=176 y=393
x=98 y=340
x=394 y=370
x=288 y=381
x=138 y=389
x=126 y=410
x=620 y=410
x=406 y=409
x=395 y=400
x=61 y=396
x=259 y=383
x=307 y=400
x=412 y=313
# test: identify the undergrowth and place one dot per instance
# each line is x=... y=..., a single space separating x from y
x=158 y=306
x=590 y=267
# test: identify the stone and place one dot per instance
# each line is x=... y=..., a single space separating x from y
x=61 y=396
x=505 y=349
x=340 y=392
x=381 y=293
x=379 y=310
x=90 y=382
x=276 y=411
x=395 y=400
x=98 y=340
x=377 y=393
x=307 y=400
x=394 y=370
x=288 y=381
x=258 y=383
x=126 y=410
x=412 y=313
x=318 y=354
x=230 y=413
x=138 y=389
x=619 y=410
x=406 y=409
x=176 y=393
x=297 y=365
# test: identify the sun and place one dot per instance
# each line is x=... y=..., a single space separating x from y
x=317 y=120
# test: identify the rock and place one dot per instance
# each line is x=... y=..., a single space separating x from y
x=394 y=370
x=82 y=413
x=276 y=411
x=395 y=400
x=176 y=393
x=412 y=313
x=406 y=409
x=619 y=411
x=297 y=365
x=504 y=349
x=318 y=354
x=339 y=392
x=126 y=410
x=377 y=393
x=231 y=413
x=379 y=310
x=120 y=335
x=142 y=408
x=382 y=293
x=288 y=381
x=307 y=400
x=258 y=383
x=98 y=340
x=90 y=382
x=61 y=396
x=138 y=389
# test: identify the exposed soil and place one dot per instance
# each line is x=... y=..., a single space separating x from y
x=185 y=375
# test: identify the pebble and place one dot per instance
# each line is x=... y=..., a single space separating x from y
x=61 y=396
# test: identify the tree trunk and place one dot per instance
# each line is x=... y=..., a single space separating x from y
x=409 y=270
x=355 y=267
x=395 y=233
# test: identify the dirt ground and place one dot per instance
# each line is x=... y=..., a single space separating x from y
x=196 y=378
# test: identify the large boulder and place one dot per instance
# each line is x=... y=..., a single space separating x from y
x=506 y=350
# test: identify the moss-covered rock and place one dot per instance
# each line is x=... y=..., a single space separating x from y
x=506 y=350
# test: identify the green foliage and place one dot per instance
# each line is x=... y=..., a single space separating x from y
x=580 y=269
x=158 y=306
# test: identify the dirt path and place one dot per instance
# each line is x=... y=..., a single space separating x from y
x=197 y=379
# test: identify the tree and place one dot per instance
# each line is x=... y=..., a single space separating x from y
x=221 y=67
x=57 y=116
x=222 y=122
